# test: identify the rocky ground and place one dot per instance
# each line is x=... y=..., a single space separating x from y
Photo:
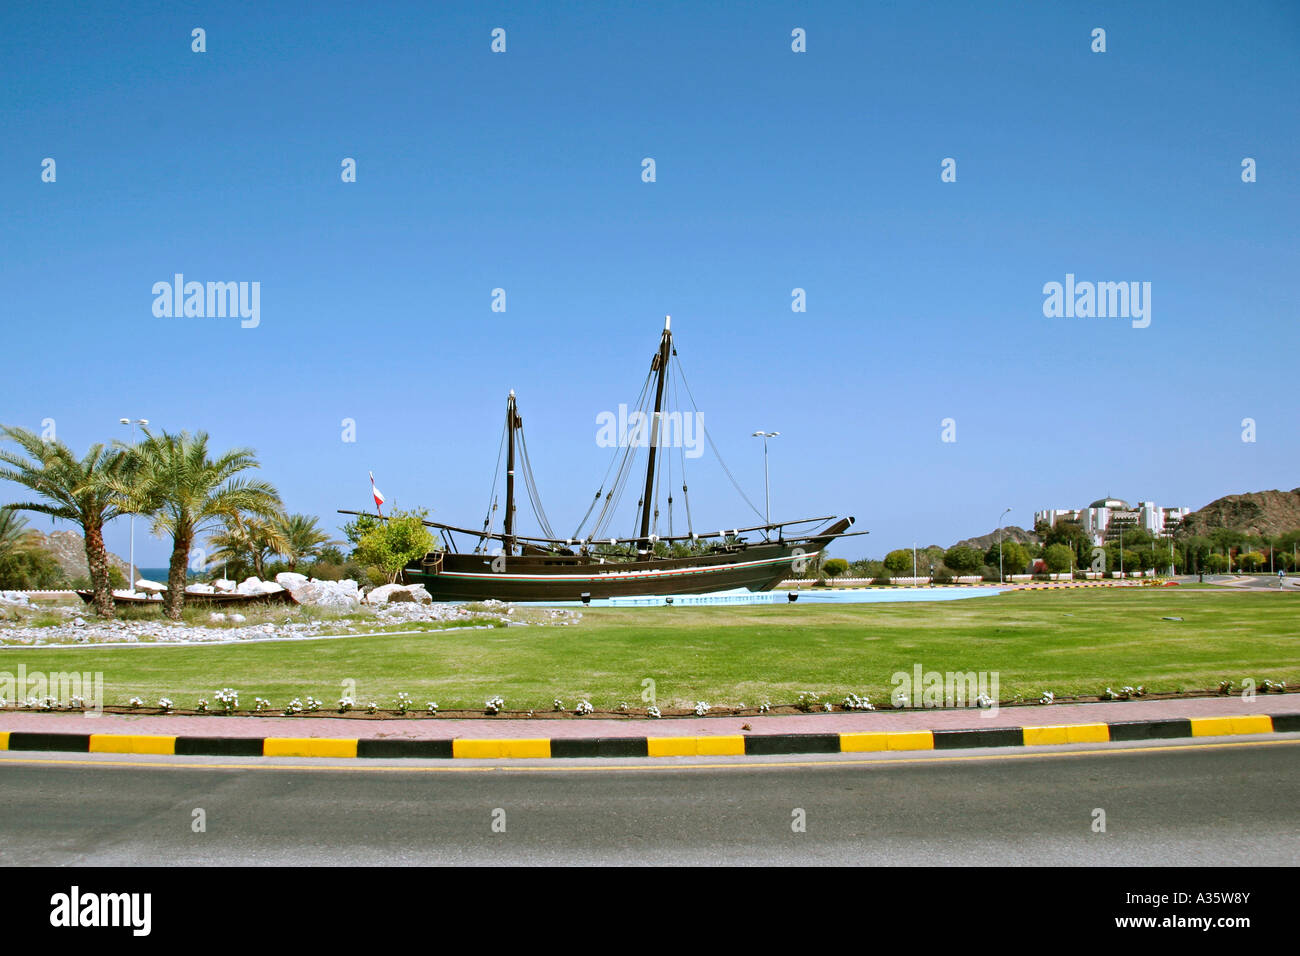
x=27 y=622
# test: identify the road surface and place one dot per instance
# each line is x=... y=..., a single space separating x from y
x=1165 y=803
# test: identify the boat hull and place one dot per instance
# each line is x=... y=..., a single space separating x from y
x=543 y=578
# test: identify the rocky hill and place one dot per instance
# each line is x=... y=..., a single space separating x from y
x=1266 y=513
x=69 y=549
x=1010 y=532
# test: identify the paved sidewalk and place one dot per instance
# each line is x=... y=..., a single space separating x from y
x=443 y=728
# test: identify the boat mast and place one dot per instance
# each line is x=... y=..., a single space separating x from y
x=660 y=364
x=512 y=422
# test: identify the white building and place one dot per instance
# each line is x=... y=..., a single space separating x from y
x=1107 y=518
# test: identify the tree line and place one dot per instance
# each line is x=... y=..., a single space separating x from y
x=1067 y=548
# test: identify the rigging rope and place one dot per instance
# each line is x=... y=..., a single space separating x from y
x=735 y=484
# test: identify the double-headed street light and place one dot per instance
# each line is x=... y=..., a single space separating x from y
x=767 y=485
x=132 y=424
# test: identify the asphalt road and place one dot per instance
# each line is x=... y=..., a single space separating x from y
x=1224 y=803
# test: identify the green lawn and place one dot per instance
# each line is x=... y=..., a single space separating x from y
x=1069 y=642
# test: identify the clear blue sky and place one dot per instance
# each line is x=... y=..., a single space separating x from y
x=775 y=170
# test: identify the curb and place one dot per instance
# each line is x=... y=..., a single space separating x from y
x=708 y=746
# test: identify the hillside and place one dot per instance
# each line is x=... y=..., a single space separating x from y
x=69 y=549
x=1009 y=533
x=1267 y=513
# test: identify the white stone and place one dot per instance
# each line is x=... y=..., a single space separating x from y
x=290 y=579
x=224 y=585
x=149 y=587
x=216 y=617
x=238 y=618
x=199 y=589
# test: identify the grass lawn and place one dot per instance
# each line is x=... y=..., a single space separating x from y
x=1069 y=642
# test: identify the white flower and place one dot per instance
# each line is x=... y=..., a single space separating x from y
x=622 y=706
x=403 y=702
x=558 y=704
x=653 y=711
x=1047 y=698
x=312 y=704
x=135 y=702
x=984 y=701
x=372 y=707
x=900 y=698
x=293 y=707
x=346 y=704
x=228 y=698
x=202 y=706
x=827 y=706
x=494 y=704
x=164 y=704
x=764 y=707
x=854 y=702
x=584 y=707
x=806 y=700
x=701 y=708
x=433 y=707
x=76 y=703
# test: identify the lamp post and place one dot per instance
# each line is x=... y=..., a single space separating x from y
x=767 y=485
x=1003 y=515
x=132 y=424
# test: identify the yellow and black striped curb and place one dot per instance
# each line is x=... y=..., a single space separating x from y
x=707 y=746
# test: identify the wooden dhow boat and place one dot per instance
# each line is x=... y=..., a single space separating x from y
x=591 y=564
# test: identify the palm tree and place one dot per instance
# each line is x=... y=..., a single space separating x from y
x=84 y=491
x=13 y=532
x=248 y=540
x=185 y=491
x=303 y=539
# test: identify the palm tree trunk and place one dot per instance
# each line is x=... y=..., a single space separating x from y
x=97 y=565
x=174 y=599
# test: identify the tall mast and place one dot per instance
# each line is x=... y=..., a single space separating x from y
x=660 y=364
x=512 y=422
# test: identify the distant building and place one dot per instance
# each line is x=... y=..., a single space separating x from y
x=1107 y=518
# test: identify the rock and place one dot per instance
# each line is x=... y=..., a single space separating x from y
x=14 y=597
x=420 y=595
x=332 y=594
x=149 y=587
x=251 y=585
x=216 y=617
x=200 y=589
x=290 y=579
x=223 y=585
x=79 y=622
x=238 y=618
x=385 y=593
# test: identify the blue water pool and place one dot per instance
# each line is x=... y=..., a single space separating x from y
x=820 y=596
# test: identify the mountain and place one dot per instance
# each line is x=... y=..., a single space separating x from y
x=1010 y=532
x=1267 y=513
x=69 y=549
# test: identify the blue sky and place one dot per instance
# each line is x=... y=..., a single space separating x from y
x=775 y=170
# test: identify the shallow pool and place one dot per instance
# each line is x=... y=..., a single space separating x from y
x=819 y=596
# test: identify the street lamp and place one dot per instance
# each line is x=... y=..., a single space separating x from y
x=1003 y=515
x=767 y=485
x=132 y=424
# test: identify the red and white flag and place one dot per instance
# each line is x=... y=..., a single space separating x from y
x=379 y=497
